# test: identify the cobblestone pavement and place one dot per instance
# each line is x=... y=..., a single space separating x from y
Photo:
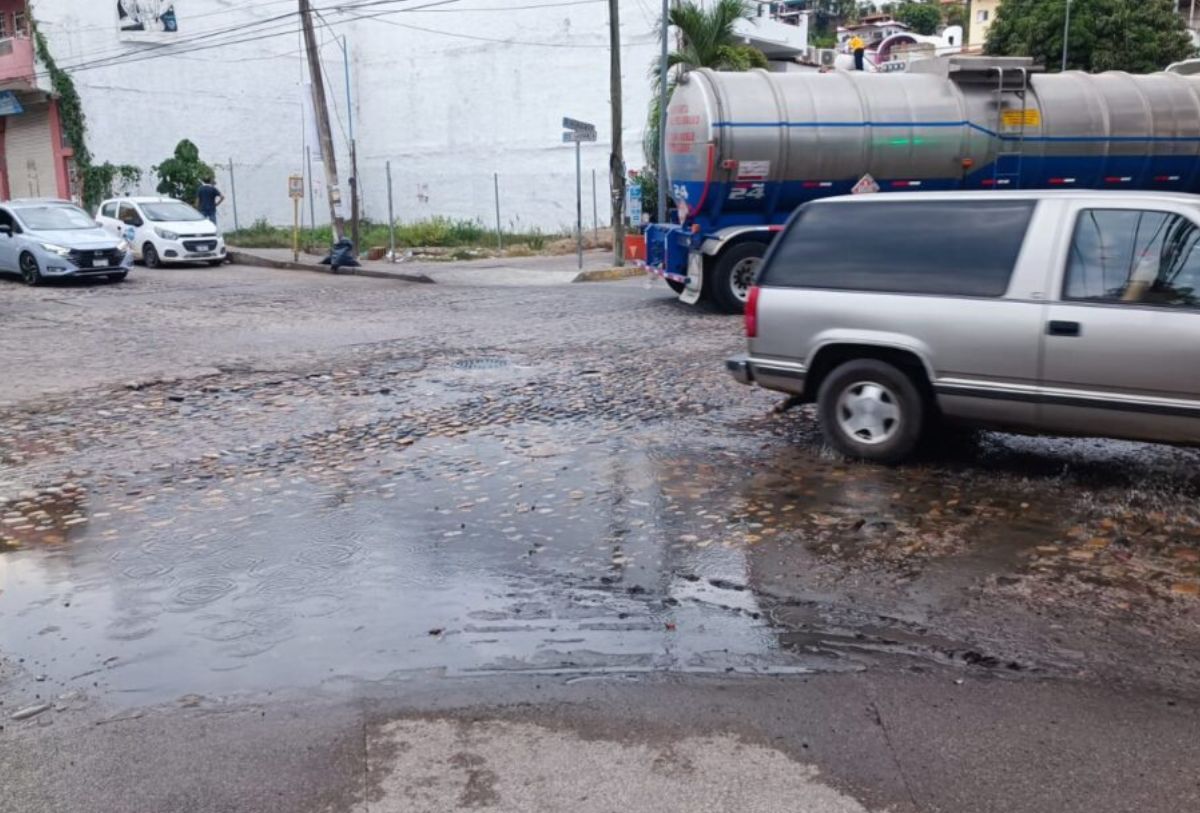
x=233 y=481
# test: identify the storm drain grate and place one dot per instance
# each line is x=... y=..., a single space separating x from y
x=483 y=363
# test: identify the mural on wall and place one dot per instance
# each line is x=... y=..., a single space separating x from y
x=147 y=19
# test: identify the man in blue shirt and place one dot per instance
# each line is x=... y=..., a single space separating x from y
x=208 y=198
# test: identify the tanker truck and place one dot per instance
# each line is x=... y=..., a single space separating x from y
x=745 y=149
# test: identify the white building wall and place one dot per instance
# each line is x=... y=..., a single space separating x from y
x=447 y=105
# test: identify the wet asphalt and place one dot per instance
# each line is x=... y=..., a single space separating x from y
x=235 y=498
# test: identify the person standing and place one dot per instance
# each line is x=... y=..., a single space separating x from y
x=859 y=49
x=208 y=198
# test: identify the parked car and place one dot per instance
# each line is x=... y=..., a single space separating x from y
x=163 y=230
x=55 y=239
x=1073 y=313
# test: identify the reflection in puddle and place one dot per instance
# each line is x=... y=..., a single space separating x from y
x=473 y=558
x=47 y=517
x=536 y=549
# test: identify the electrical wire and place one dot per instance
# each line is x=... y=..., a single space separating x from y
x=478 y=38
x=100 y=58
x=145 y=47
x=278 y=26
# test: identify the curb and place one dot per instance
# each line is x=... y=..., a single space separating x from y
x=609 y=274
x=245 y=258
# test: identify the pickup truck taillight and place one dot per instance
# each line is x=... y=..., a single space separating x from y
x=752 y=313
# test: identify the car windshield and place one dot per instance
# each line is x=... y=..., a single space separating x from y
x=170 y=211
x=55 y=218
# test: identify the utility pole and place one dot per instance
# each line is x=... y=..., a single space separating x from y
x=616 y=161
x=354 y=182
x=661 y=180
x=321 y=110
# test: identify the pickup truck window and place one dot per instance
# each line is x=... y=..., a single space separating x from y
x=947 y=248
x=1137 y=257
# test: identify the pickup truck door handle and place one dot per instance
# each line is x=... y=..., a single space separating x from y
x=1057 y=328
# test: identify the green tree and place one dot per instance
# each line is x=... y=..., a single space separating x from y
x=706 y=40
x=957 y=15
x=923 y=18
x=827 y=15
x=181 y=174
x=1139 y=36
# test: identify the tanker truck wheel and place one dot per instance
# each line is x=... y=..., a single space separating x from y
x=733 y=276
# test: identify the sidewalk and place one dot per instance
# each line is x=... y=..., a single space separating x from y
x=539 y=270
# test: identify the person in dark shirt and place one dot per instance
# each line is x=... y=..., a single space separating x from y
x=208 y=198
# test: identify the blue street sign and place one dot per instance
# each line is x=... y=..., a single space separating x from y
x=9 y=106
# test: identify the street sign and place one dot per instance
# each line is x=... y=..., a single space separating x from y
x=577 y=133
x=296 y=187
x=9 y=106
x=635 y=206
x=576 y=124
x=865 y=186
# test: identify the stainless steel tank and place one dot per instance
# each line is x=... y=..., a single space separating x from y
x=750 y=147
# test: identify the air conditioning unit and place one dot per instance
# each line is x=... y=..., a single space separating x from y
x=826 y=57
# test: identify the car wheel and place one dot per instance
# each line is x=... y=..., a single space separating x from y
x=871 y=410
x=118 y=277
x=733 y=276
x=677 y=287
x=150 y=256
x=29 y=269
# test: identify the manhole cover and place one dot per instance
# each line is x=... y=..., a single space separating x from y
x=485 y=363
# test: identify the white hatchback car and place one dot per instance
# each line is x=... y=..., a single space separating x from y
x=163 y=230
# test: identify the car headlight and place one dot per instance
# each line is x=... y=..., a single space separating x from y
x=123 y=246
x=61 y=251
x=165 y=234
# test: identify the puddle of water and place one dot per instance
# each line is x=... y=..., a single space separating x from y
x=536 y=548
x=548 y=556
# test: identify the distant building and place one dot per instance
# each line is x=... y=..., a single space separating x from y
x=34 y=158
x=872 y=30
x=891 y=44
x=446 y=95
x=983 y=14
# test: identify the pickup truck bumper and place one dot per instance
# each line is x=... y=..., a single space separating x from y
x=739 y=367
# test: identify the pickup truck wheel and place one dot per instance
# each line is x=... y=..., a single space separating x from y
x=733 y=276
x=871 y=410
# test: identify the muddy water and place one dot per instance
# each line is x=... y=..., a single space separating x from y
x=474 y=557
x=551 y=549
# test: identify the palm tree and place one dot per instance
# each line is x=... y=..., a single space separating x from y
x=706 y=40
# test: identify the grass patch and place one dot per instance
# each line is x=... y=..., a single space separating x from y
x=436 y=232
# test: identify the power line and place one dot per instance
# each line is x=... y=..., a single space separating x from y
x=97 y=57
x=491 y=39
x=87 y=58
x=275 y=26
x=156 y=50
x=147 y=47
x=329 y=83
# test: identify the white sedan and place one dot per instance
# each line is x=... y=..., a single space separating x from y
x=163 y=231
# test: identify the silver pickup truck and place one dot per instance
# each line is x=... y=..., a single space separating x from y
x=1071 y=313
